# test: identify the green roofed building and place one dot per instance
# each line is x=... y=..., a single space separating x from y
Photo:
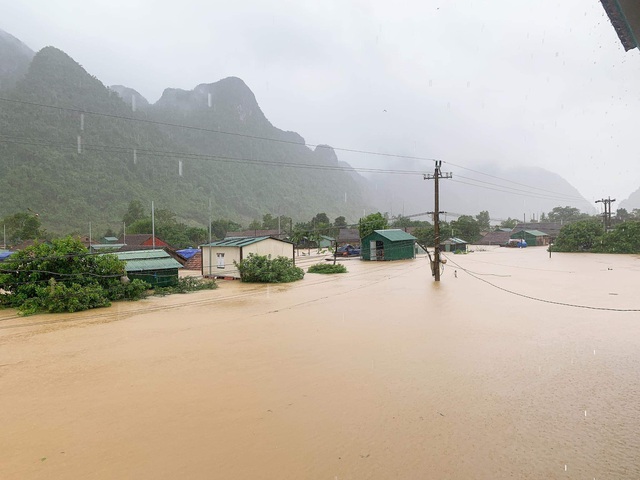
x=454 y=244
x=393 y=244
x=219 y=258
x=155 y=267
x=532 y=237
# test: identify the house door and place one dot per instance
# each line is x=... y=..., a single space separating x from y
x=372 y=250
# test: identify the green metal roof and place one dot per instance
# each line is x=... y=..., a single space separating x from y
x=107 y=246
x=140 y=260
x=239 y=241
x=454 y=240
x=535 y=233
x=395 y=234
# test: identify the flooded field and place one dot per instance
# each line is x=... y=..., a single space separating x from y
x=376 y=374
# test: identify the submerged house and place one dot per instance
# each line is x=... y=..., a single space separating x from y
x=155 y=267
x=532 y=237
x=454 y=244
x=218 y=257
x=392 y=244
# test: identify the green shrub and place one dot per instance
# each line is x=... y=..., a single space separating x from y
x=264 y=269
x=327 y=268
x=134 y=290
x=62 y=276
x=187 y=284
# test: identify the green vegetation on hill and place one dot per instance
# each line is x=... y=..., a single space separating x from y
x=42 y=169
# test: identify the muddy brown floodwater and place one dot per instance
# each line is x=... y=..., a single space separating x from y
x=376 y=374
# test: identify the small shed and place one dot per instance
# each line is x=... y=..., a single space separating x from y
x=532 y=237
x=392 y=244
x=155 y=267
x=218 y=257
x=454 y=244
x=325 y=241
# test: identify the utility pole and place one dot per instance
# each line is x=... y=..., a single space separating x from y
x=209 y=234
x=153 y=224
x=606 y=216
x=437 y=175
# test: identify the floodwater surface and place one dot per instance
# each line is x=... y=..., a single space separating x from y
x=378 y=373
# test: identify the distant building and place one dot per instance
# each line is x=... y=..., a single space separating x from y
x=532 y=237
x=218 y=257
x=454 y=244
x=141 y=240
x=552 y=229
x=495 y=238
x=392 y=244
x=325 y=241
x=259 y=233
x=349 y=235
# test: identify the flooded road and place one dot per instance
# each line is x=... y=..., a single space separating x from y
x=377 y=374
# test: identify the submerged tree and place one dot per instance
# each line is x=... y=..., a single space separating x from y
x=62 y=276
x=579 y=236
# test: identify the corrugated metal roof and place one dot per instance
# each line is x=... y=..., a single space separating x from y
x=140 y=260
x=454 y=240
x=395 y=234
x=535 y=233
x=239 y=241
x=107 y=246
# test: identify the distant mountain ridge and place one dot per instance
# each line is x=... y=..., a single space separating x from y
x=15 y=57
x=179 y=168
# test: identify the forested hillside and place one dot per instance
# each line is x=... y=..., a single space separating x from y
x=120 y=160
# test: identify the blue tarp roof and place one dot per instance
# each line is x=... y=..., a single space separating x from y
x=187 y=253
x=5 y=254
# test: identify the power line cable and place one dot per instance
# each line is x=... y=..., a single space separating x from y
x=237 y=134
x=209 y=130
x=559 y=196
x=504 y=179
x=552 y=302
x=227 y=159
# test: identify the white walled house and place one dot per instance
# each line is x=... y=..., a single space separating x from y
x=218 y=257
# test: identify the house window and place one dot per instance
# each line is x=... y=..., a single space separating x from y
x=220 y=260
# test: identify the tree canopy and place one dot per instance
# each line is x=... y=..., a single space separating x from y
x=62 y=276
x=373 y=221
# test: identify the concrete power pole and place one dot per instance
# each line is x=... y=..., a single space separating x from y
x=437 y=175
x=606 y=216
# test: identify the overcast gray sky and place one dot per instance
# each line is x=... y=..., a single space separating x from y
x=541 y=82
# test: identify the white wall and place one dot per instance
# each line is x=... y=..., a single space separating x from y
x=230 y=254
x=271 y=247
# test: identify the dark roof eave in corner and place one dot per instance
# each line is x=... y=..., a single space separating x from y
x=620 y=24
